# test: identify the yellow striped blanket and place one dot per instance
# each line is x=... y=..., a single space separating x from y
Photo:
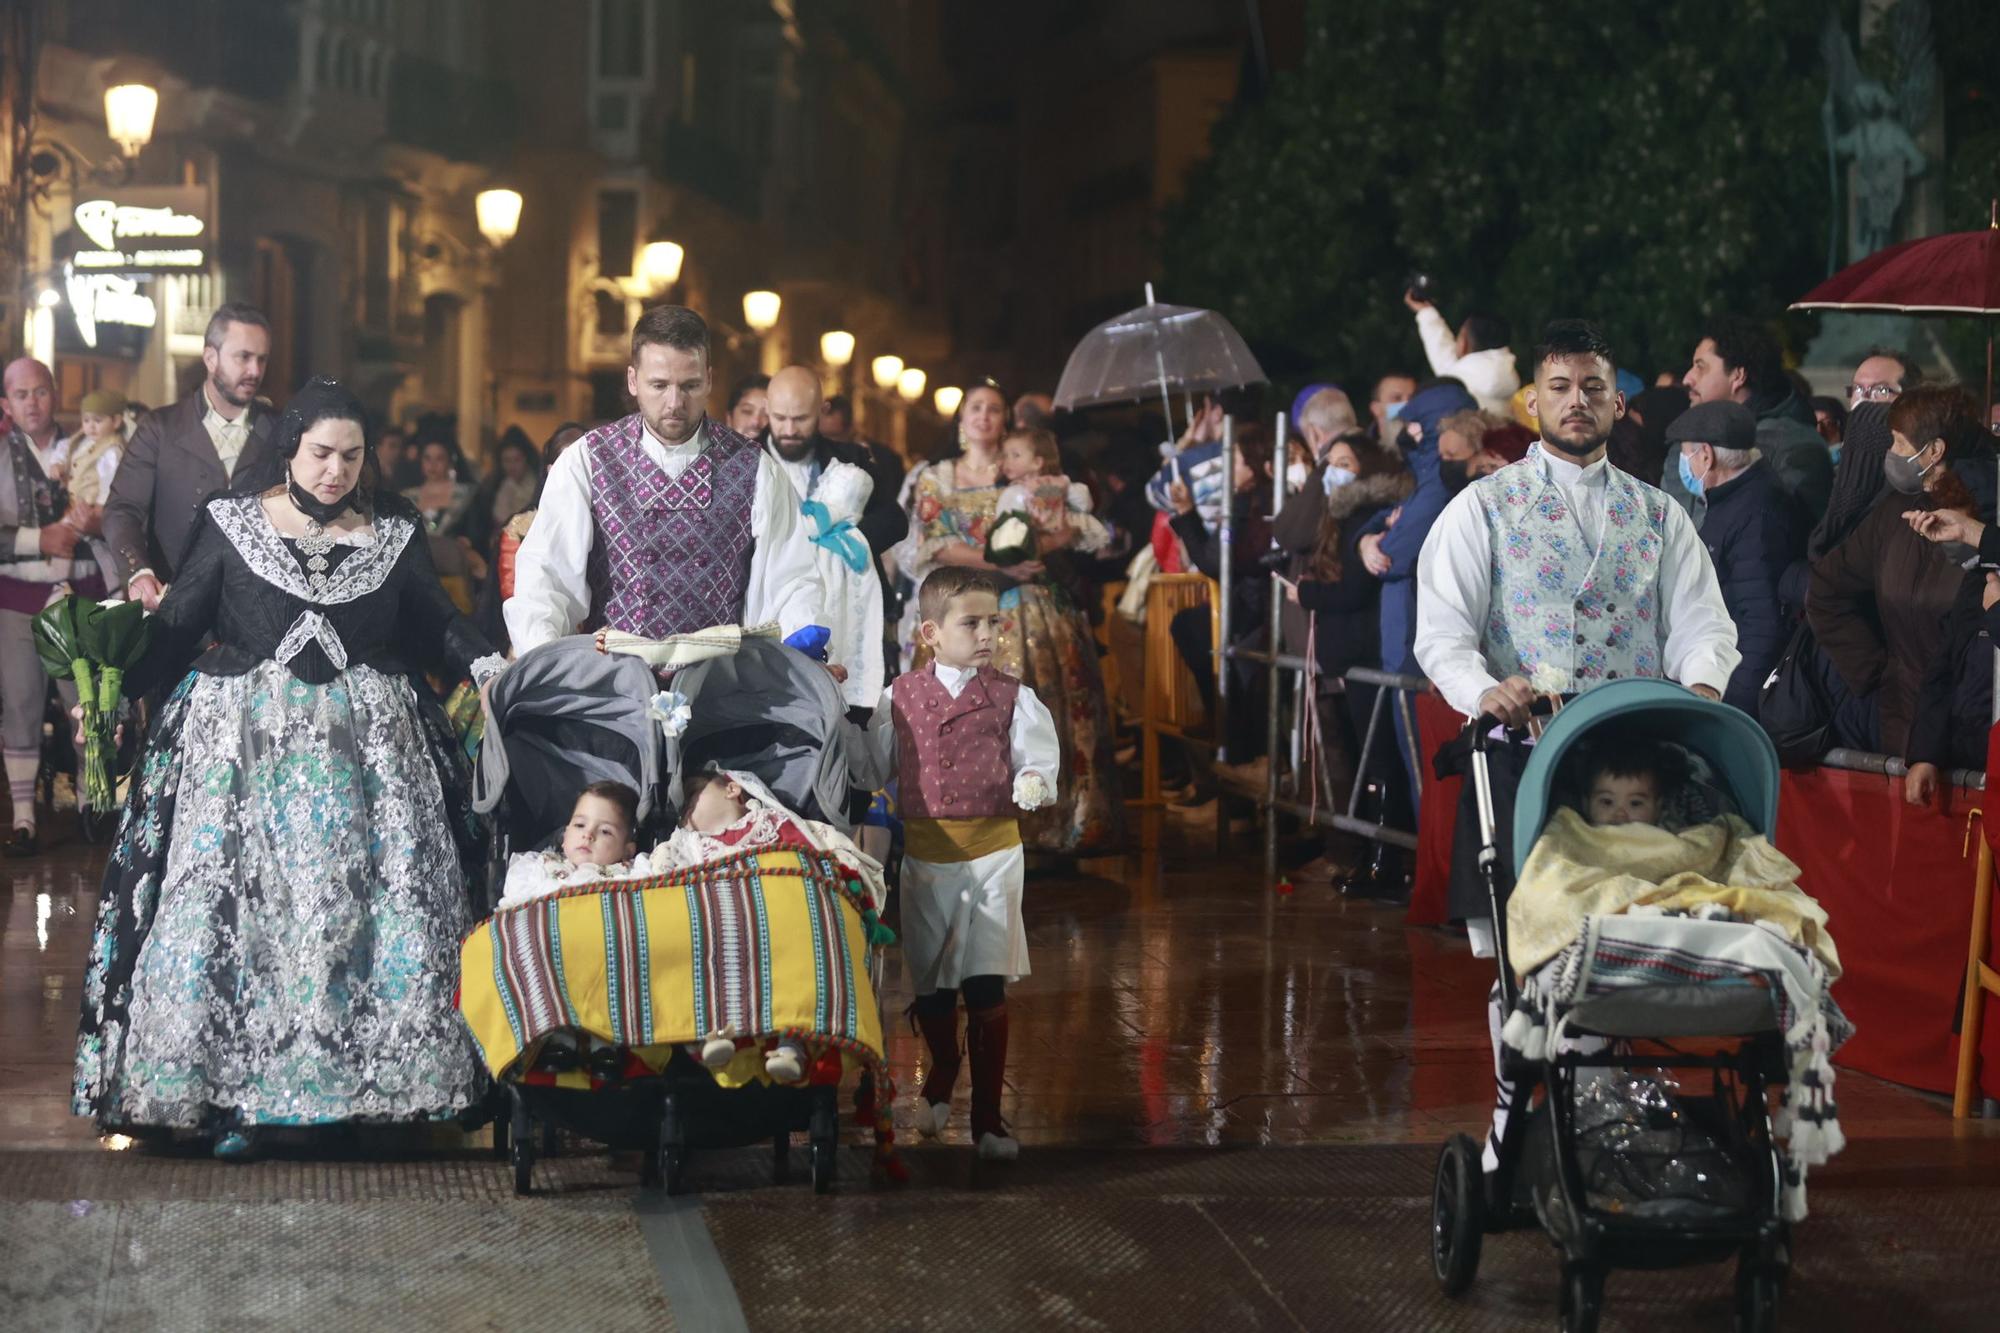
x=767 y=943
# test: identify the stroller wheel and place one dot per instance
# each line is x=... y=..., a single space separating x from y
x=1582 y=1297
x=1757 y=1291
x=825 y=1140
x=1457 y=1215
x=673 y=1147
x=521 y=1149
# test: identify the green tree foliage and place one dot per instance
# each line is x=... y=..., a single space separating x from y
x=1639 y=164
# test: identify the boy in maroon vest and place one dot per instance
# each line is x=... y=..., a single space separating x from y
x=972 y=748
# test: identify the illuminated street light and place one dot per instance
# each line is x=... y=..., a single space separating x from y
x=910 y=384
x=947 y=398
x=886 y=369
x=660 y=264
x=836 y=348
x=760 y=310
x=129 y=109
x=48 y=298
x=499 y=215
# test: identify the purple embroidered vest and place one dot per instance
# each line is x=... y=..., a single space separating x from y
x=669 y=554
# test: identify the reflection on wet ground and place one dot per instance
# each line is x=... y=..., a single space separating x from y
x=1229 y=1097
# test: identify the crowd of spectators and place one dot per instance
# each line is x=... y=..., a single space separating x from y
x=1852 y=539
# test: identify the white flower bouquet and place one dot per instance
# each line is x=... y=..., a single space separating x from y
x=1011 y=540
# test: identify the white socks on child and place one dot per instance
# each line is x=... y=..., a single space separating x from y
x=23 y=766
x=786 y=1063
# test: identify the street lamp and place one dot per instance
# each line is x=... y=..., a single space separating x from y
x=760 y=311
x=48 y=298
x=129 y=109
x=499 y=215
x=660 y=264
x=886 y=369
x=947 y=398
x=910 y=384
x=836 y=348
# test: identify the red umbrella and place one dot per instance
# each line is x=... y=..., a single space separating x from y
x=1955 y=274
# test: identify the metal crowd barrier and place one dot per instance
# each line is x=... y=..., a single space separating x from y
x=1323 y=812
x=1862 y=761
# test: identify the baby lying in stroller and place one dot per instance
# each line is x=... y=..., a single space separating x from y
x=1644 y=836
x=725 y=814
x=599 y=844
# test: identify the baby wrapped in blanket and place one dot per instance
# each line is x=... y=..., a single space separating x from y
x=1634 y=846
x=1644 y=844
x=725 y=813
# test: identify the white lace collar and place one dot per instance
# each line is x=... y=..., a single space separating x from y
x=248 y=528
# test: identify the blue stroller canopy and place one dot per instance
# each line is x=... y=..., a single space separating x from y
x=1730 y=740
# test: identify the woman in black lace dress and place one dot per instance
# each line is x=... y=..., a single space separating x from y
x=277 y=942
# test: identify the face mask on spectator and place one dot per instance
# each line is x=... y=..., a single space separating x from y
x=1689 y=479
x=1335 y=477
x=1295 y=476
x=1902 y=473
x=1456 y=473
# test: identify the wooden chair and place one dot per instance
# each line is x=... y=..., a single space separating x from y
x=1172 y=705
x=1981 y=980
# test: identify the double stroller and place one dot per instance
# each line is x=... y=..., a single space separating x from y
x=1681 y=1164
x=584 y=1003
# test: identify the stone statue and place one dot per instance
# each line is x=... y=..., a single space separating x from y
x=1874 y=128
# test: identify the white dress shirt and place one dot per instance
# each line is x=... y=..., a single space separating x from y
x=227 y=434
x=1455 y=587
x=31 y=565
x=551 y=583
x=1031 y=740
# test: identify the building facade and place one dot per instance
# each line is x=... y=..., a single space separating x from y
x=333 y=151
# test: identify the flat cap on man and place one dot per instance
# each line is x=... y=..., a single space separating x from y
x=1718 y=425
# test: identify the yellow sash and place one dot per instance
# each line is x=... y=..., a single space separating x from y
x=950 y=840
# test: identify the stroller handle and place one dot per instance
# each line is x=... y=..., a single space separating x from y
x=1479 y=732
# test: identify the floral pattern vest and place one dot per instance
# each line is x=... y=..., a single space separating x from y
x=670 y=555
x=1562 y=617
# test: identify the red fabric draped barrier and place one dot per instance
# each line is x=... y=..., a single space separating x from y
x=1437 y=722
x=1895 y=885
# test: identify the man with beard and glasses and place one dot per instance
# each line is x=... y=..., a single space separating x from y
x=1554 y=575
x=182 y=454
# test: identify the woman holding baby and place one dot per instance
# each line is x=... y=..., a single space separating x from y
x=1045 y=637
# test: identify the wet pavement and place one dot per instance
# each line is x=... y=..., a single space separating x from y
x=1230 y=1101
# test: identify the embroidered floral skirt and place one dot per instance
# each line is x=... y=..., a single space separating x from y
x=277 y=942
x=1046 y=644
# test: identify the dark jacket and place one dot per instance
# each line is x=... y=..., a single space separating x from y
x=1754 y=533
x=1296 y=532
x=1955 y=704
x=1792 y=449
x=169 y=468
x=1879 y=604
x=1346 y=629
x=1249 y=539
x=1403 y=542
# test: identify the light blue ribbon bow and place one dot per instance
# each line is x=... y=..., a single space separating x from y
x=840 y=538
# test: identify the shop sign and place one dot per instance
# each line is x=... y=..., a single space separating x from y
x=144 y=229
x=107 y=304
